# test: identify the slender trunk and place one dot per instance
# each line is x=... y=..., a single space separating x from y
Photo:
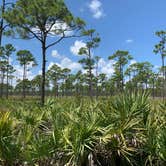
x=97 y=81
x=3 y=76
x=43 y=72
x=146 y=85
x=90 y=83
x=1 y=34
x=130 y=83
x=56 y=88
x=153 y=87
x=1 y=84
x=57 y=92
x=11 y=86
x=7 y=79
x=121 y=78
x=66 y=91
x=77 y=89
x=164 y=78
x=2 y=21
x=90 y=74
x=97 y=89
x=63 y=87
x=23 y=85
x=82 y=90
x=7 y=84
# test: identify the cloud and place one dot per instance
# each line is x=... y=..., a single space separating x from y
x=129 y=41
x=156 y=66
x=56 y=29
x=10 y=60
x=96 y=9
x=67 y=63
x=103 y=66
x=30 y=65
x=76 y=47
x=132 y=62
x=40 y=72
x=19 y=74
x=106 y=67
x=55 y=54
x=50 y=65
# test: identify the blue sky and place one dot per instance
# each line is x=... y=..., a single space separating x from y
x=122 y=24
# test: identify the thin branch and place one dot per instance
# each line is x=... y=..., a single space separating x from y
x=25 y=38
x=8 y=3
x=5 y=27
x=49 y=29
x=35 y=35
x=57 y=41
x=63 y=37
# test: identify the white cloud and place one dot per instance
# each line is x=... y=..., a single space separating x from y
x=40 y=72
x=133 y=62
x=19 y=74
x=67 y=63
x=76 y=47
x=30 y=65
x=57 y=29
x=95 y=7
x=106 y=67
x=103 y=66
x=156 y=67
x=129 y=41
x=10 y=60
x=50 y=65
x=55 y=54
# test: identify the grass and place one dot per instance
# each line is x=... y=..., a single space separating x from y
x=125 y=130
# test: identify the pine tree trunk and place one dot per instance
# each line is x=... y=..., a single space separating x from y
x=43 y=72
x=2 y=21
x=90 y=74
x=23 y=86
x=1 y=86
x=164 y=78
x=1 y=34
x=7 y=86
x=3 y=76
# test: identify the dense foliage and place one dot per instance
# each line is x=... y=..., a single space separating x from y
x=126 y=130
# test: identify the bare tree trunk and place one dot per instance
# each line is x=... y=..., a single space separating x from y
x=11 y=86
x=7 y=79
x=23 y=82
x=164 y=78
x=90 y=74
x=1 y=84
x=153 y=80
x=43 y=72
x=2 y=21
x=121 y=78
x=3 y=76
x=1 y=34
x=97 y=89
x=7 y=84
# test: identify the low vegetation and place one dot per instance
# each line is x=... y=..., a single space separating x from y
x=124 y=130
